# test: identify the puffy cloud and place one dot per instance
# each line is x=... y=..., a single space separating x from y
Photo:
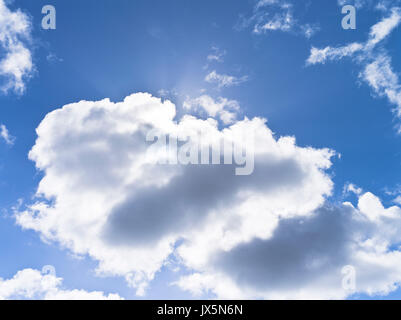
x=16 y=62
x=223 y=108
x=305 y=256
x=223 y=80
x=376 y=63
x=272 y=234
x=350 y=187
x=103 y=193
x=32 y=284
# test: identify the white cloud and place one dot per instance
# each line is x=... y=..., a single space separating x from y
x=385 y=5
x=32 y=284
x=223 y=108
x=53 y=58
x=262 y=3
x=378 y=33
x=382 y=5
x=223 y=80
x=350 y=187
x=357 y=3
x=309 y=30
x=397 y=200
x=382 y=29
x=9 y=139
x=304 y=257
x=376 y=63
x=330 y=53
x=270 y=235
x=103 y=195
x=278 y=15
x=16 y=64
x=382 y=79
x=216 y=55
x=283 y=22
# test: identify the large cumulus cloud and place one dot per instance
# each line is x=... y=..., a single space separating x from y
x=103 y=194
x=271 y=234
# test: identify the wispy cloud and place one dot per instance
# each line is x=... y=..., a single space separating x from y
x=377 y=70
x=5 y=135
x=381 y=5
x=357 y=3
x=281 y=21
x=332 y=53
x=224 y=80
x=216 y=55
x=378 y=33
x=277 y=15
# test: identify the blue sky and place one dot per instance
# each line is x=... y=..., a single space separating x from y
x=112 y=49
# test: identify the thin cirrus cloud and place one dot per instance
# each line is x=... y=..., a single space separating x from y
x=272 y=234
x=378 y=5
x=221 y=80
x=377 y=70
x=357 y=3
x=277 y=15
x=32 y=284
x=6 y=136
x=16 y=64
x=224 y=80
x=216 y=55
